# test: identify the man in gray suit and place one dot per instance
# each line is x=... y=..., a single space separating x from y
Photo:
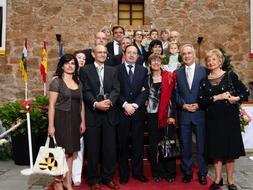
x=190 y=115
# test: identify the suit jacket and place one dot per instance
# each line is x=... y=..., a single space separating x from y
x=110 y=48
x=137 y=92
x=90 y=59
x=91 y=86
x=117 y=60
x=141 y=52
x=185 y=95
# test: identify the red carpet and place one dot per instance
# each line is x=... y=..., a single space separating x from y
x=163 y=185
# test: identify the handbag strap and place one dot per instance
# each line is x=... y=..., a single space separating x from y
x=48 y=140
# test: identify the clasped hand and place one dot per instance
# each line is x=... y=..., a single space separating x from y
x=129 y=109
x=104 y=105
x=191 y=107
x=227 y=96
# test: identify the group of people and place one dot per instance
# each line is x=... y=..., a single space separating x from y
x=108 y=92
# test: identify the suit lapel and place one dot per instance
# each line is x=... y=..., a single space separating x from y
x=136 y=70
x=106 y=78
x=185 y=78
x=95 y=74
x=126 y=74
x=195 y=76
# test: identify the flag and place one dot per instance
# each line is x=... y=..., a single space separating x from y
x=60 y=50
x=43 y=64
x=23 y=62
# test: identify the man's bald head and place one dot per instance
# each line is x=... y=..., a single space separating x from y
x=100 y=39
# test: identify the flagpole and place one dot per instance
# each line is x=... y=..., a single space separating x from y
x=45 y=89
x=28 y=171
x=26 y=91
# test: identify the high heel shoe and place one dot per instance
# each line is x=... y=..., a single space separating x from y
x=214 y=186
x=221 y=182
x=232 y=187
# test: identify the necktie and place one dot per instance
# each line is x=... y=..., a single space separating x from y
x=189 y=76
x=100 y=76
x=130 y=73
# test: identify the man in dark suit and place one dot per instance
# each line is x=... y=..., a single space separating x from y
x=101 y=92
x=133 y=94
x=120 y=59
x=190 y=115
x=100 y=39
x=114 y=46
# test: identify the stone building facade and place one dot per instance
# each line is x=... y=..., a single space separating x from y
x=224 y=24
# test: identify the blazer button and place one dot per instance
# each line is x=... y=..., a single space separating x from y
x=131 y=93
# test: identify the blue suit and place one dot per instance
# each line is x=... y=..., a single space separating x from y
x=189 y=120
x=135 y=92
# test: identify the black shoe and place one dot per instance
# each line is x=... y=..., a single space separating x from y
x=141 y=178
x=157 y=179
x=214 y=186
x=170 y=179
x=123 y=180
x=232 y=187
x=221 y=182
x=202 y=179
x=187 y=178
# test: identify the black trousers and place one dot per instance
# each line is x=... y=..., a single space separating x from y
x=129 y=129
x=164 y=169
x=101 y=139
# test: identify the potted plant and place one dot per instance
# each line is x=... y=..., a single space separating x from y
x=11 y=112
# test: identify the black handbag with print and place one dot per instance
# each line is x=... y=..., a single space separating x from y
x=169 y=147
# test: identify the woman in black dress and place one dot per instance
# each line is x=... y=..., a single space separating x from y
x=66 y=112
x=220 y=94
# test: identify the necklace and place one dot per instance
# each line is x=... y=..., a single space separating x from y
x=156 y=77
x=215 y=75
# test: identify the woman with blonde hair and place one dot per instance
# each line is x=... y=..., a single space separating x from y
x=220 y=94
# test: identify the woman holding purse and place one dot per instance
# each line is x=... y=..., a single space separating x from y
x=66 y=112
x=161 y=116
x=220 y=94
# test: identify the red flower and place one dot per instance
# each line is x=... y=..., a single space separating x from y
x=27 y=104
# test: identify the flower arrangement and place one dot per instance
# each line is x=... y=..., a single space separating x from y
x=244 y=119
x=11 y=112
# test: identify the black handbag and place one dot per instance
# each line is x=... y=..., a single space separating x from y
x=169 y=147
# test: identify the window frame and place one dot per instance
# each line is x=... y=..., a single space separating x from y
x=131 y=11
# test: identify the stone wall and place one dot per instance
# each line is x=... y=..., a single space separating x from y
x=222 y=24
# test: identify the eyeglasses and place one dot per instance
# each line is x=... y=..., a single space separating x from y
x=138 y=34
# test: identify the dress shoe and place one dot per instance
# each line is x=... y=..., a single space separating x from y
x=157 y=179
x=187 y=178
x=170 y=179
x=202 y=179
x=232 y=187
x=112 y=185
x=123 y=180
x=141 y=178
x=95 y=187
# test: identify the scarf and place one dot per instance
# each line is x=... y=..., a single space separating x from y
x=168 y=82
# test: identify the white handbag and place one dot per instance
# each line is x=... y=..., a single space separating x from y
x=51 y=161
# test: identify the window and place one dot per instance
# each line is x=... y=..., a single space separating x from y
x=131 y=12
x=2 y=26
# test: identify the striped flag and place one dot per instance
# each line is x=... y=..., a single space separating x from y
x=43 y=64
x=23 y=62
